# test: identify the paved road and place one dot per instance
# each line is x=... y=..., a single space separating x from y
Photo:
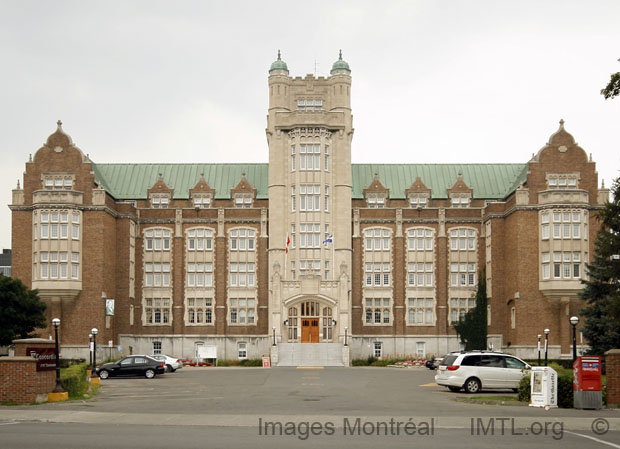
x=224 y=407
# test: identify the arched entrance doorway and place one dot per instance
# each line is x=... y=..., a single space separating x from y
x=310 y=322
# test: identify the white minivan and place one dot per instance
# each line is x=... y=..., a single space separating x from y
x=477 y=370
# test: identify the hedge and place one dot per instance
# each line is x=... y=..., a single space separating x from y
x=565 y=387
x=73 y=380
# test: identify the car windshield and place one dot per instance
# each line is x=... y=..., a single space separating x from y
x=448 y=360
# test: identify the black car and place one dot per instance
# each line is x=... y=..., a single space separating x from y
x=133 y=365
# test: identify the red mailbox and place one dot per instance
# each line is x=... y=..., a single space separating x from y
x=587 y=385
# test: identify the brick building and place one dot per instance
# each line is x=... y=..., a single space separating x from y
x=308 y=248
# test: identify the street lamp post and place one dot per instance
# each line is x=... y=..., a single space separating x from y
x=58 y=388
x=573 y=321
x=94 y=331
x=90 y=350
x=539 y=349
x=274 y=335
x=546 y=343
x=345 y=335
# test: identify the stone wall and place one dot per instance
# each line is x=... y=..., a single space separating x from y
x=21 y=382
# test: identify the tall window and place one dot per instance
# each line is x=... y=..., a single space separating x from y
x=200 y=240
x=157 y=240
x=567 y=225
x=156 y=274
x=326 y=158
x=326 y=199
x=566 y=264
x=309 y=197
x=309 y=235
x=378 y=350
x=157 y=347
x=242 y=239
x=420 y=311
x=462 y=239
x=292 y=157
x=310 y=266
x=377 y=274
x=459 y=307
x=462 y=274
x=293 y=198
x=158 y=310
x=242 y=310
x=420 y=274
x=200 y=310
x=200 y=274
x=241 y=274
x=377 y=311
x=309 y=157
x=377 y=239
x=420 y=239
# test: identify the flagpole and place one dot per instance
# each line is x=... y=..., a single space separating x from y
x=333 y=267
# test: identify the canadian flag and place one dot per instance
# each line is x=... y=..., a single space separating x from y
x=288 y=242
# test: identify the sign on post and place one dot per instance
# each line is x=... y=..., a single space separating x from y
x=266 y=362
x=46 y=358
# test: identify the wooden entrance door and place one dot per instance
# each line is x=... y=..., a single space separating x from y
x=310 y=330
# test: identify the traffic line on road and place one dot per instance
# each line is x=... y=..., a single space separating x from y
x=432 y=384
x=7 y=423
x=594 y=439
x=310 y=367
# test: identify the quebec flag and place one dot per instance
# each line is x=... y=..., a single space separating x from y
x=329 y=239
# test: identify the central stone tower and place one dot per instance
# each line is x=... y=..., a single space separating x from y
x=309 y=132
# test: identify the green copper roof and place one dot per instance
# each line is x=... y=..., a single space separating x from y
x=131 y=181
x=493 y=181
x=340 y=65
x=278 y=64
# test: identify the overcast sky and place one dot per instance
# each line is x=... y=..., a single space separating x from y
x=186 y=81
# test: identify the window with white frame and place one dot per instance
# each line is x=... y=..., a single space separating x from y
x=309 y=157
x=55 y=224
x=242 y=350
x=242 y=311
x=420 y=311
x=420 y=349
x=326 y=158
x=55 y=265
x=202 y=200
x=462 y=239
x=199 y=310
x=513 y=318
x=58 y=181
x=156 y=274
x=309 y=197
x=420 y=274
x=375 y=200
x=293 y=199
x=157 y=347
x=566 y=224
x=293 y=272
x=160 y=200
x=566 y=264
x=241 y=274
x=377 y=274
x=326 y=199
x=310 y=104
x=545 y=260
x=377 y=311
x=157 y=310
x=200 y=274
x=460 y=200
x=242 y=239
x=309 y=235
x=293 y=237
x=157 y=239
x=377 y=239
x=418 y=200
x=200 y=239
x=243 y=200
x=292 y=157
x=459 y=307
x=310 y=266
x=420 y=239
x=565 y=181
x=462 y=274
x=378 y=350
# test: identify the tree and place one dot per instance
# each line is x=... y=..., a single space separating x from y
x=613 y=87
x=21 y=310
x=602 y=288
x=473 y=326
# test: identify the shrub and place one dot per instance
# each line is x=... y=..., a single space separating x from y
x=252 y=362
x=73 y=380
x=565 y=387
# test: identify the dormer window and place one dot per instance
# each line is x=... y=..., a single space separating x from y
x=202 y=201
x=562 y=181
x=460 y=200
x=160 y=201
x=375 y=200
x=243 y=201
x=309 y=104
x=58 y=182
x=418 y=200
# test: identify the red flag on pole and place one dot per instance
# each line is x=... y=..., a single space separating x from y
x=288 y=242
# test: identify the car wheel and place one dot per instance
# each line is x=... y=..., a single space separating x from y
x=455 y=389
x=149 y=373
x=472 y=385
x=169 y=369
x=103 y=374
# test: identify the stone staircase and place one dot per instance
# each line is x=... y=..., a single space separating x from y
x=310 y=354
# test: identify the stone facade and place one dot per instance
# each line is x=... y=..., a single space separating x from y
x=320 y=249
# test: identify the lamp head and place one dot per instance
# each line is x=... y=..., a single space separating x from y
x=90 y=336
x=56 y=322
x=574 y=320
x=273 y=328
x=94 y=331
x=346 y=328
x=547 y=331
x=539 y=336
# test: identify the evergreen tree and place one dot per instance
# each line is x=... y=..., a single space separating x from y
x=613 y=87
x=602 y=288
x=472 y=328
x=21 y=310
